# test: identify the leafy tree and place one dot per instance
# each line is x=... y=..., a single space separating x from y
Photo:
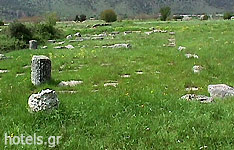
x=1 y=23
x=51 y=19
x=109 y=15
x=82 y=18
x=20 y=31
x=165 y=13
x=227 y=16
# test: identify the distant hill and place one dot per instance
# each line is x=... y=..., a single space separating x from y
x=12 y=9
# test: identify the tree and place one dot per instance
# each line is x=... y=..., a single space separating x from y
x=109 y=15
x=227 y=16
x=82 y=18
x=1 y=23
x=51 y=19
x=165 y=13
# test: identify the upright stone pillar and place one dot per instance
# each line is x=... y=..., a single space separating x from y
x=40 y=69
x=32 y=44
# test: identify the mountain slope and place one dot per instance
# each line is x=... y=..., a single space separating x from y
x=10 y=9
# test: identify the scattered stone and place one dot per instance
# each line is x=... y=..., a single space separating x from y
x=171 y=44
x=152 y=28
x=59 y=47
x=191 y=56
x=40 y=69
x=112 y=83
x=192 y=89
x=181 y=48
x=172 y=33
x=68 y=92
x=126 y=76
x=2 y=56
x=197 y=69
x=139 y=72
x=97 y=38
x=102 y=24
x=51 y=41
x=136 y=31
x=148 y=33
x=220 y=91
x=60 y=43
x=69 y=37
x=32 y=44
x=4 y=71
x=172 y=40
x=201 y=98
x=44 y=47
x=127 y=32
x=78 y=40
x=45 y=100
x=69 y=47
x=70 y=83
x=119 y=46
x=77 y=34
x=94 y=91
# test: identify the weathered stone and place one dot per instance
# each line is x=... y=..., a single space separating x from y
x=181 y=48
x=119 y=46
x=101 y=24
x=59 y=47
x=112 y=83
x=45 y=100
x=69 y=47
x=40 y=69
x=172 y=44
x=191 y=56
x=70 y=83
x=44 y=47
x=148 y=33
x=60 y=43
x=97 y=38
x=51 y=41
x=197 y=69
x=69 y=37
x=126 y=76
x=2 y=56
x=139 y=72
x=221 y=91
x=201 y=98
x=32 y=44
x=127 y=32
x=77 y=34
x=172 y=33
x=4 y=71
x=114 y=33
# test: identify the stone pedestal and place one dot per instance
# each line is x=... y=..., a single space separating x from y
x=40 y=69
x=33 y=44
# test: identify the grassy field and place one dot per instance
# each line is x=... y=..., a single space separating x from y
x=144 y=111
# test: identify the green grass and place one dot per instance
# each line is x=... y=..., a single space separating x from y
x=143 y=111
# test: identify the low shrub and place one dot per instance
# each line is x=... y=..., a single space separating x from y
x=20 y=31
x=227 y=16
x=1 y=23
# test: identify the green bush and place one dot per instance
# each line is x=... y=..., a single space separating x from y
x=109 y=15
x=80 y=18
x=227 y=16
x=20 y=31
x=8 y=44
x=51 y=19
x=1 y=23
x=44 y=31
x=165 y=13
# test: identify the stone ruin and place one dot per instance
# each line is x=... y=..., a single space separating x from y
x=32 y=44
x=40 y=69
x=45 y=100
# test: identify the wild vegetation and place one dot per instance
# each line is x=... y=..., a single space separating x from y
x=12 y=9
x=143 y=111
